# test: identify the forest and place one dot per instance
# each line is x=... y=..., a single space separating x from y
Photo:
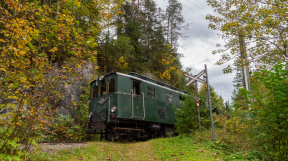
x=50 y=50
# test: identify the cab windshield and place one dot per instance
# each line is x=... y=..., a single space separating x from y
x=103 y=88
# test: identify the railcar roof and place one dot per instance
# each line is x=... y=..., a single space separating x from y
x=141 y=77
x=154 y=81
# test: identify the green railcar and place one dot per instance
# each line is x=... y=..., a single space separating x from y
x=131 y=106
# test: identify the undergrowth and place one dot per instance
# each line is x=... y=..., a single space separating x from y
x=234 y=146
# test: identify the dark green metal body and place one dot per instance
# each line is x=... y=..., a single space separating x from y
x=136 y=98
x=136 y=106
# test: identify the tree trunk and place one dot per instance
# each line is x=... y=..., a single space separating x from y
x=132 y=9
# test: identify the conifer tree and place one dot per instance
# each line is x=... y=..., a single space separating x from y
x=174 y=19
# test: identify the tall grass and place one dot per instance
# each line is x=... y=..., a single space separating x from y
x=234 y=145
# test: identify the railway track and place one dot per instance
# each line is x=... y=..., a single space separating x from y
x=57 y=142
x=54 y=146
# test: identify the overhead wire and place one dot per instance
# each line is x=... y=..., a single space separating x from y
x=194 y=11
x=198 y=6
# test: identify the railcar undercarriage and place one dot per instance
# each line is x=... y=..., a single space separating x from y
x=128 y=130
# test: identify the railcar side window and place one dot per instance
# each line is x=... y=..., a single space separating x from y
x=103 y=88
x=111 y=86
x=136 y=88
x=168 y=97
x=151 y=92
x=94 y=92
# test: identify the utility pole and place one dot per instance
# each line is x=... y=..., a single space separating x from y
x=209 y=99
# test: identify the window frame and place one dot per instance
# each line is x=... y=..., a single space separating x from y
x=169 y=97
x=136 y=88
x=93 y=92
x=109 y=91
x=151 y=93
x=102 y=92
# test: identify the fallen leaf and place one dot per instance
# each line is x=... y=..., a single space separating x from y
x=201 y=150
x=173 y=155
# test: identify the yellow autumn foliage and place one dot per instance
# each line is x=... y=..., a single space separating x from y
x=36 y=41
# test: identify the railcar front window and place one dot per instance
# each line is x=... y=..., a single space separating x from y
x=94 y=92
x=103 y=88
x=111 y=85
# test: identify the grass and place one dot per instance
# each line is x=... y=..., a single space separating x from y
x=175 y=148
x=103 y=151
x=184 y=148
x=196 y=148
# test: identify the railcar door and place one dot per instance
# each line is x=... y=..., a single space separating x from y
x=137 y=100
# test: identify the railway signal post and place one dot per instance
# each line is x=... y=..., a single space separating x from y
x=195 y=79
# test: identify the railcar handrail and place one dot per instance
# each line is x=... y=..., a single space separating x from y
x=143 y=106
x=100 y=112
x=132 y=103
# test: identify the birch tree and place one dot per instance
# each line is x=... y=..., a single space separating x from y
x=263 y=24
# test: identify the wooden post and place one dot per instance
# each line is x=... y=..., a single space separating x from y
x=198 y=108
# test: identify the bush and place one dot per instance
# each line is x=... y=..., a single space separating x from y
x=269 y=113
x=65 y=129
x=186 y=116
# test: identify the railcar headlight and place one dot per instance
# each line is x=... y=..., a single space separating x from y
x=90 y=114
x=113 y=109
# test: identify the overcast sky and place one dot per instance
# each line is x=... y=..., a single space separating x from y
x=197 y=48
